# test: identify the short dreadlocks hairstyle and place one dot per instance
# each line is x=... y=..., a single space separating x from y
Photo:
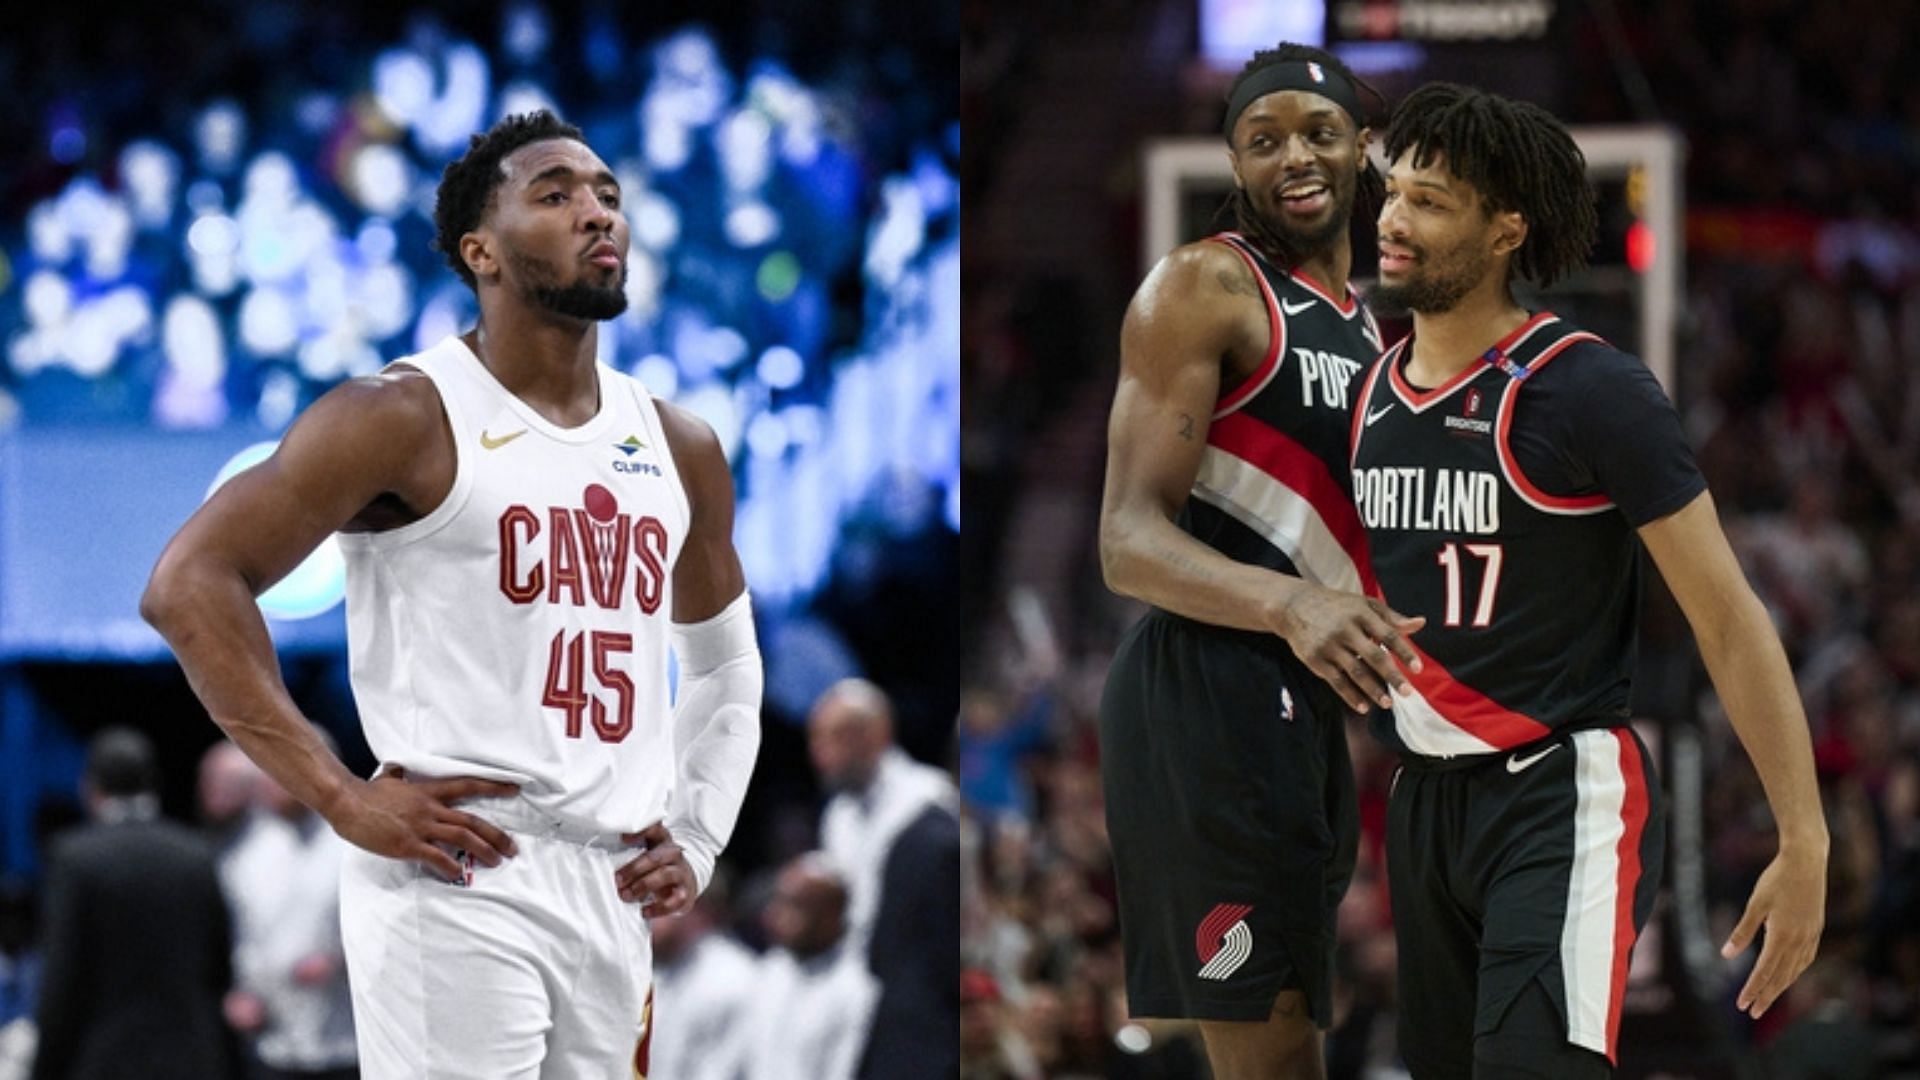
x=467 y=186
x=1518 y=156
x=1370 y=193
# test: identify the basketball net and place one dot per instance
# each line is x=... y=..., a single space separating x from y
x=605 y=535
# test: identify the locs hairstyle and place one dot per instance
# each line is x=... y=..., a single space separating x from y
x=1518 y=156
x=467 y=185
x=1369 y=191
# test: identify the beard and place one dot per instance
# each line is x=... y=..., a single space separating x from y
x=1297 y=243
x=1318 y=238
x=580 y=300
x=1435 y=287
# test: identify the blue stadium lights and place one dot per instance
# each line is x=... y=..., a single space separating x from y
x=226 y=272
x=319 y=582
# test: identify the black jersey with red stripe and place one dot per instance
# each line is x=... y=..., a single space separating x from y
x=1502 y=507
x=1273 y=488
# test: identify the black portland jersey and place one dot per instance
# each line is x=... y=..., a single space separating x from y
x=1502 y=506
x=1273 y=488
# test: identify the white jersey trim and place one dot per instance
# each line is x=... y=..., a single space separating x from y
x=430 y=363
x=1587 y=938
x=1282 y=517
x=1430 y=734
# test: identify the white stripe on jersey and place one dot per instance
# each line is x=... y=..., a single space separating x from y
x=1593 y=887
x=1282 y=516
x=1427 y=732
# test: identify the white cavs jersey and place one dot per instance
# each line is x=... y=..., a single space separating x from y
x=519 y=631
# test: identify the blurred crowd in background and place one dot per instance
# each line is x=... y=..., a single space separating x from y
x=1799 y=383
x=211 y=215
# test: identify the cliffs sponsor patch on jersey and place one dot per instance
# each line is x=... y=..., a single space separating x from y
x=573 y=554
x=1428 y=500
x=627 y=462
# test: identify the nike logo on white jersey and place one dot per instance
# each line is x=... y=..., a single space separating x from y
x=1375 y=414
x=491 y=443
x=1517 y=764
x=1295 y=309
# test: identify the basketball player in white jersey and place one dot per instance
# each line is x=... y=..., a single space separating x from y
x=527 y=533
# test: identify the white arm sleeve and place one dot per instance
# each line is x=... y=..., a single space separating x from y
x=716 y=731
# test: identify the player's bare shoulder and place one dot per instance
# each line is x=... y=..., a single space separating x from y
x=388 y=430
x=698 y=456
x=1203 y=295
x=399 y=400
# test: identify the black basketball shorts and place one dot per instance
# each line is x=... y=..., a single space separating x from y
x=1232 y=814
x=1537 y=867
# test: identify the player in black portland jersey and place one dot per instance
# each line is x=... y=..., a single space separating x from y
x=1230 y=798
x=1508 y=467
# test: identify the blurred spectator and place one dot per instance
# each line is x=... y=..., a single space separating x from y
x=991 y=1047
x=1828 y=1038
x=997 y=739
x=813 y=995
x=138 y=939
x=226 y=793
x=291 y=997
x=914 y=1020
x=877 y=790
x=704 y=982
x=19 y=952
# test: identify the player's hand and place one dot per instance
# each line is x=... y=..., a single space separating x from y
x=660 y=877
x=1350 y=641
x=1790 y=900
x=405 y=819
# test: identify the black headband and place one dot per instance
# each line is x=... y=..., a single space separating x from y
x=1306 y=75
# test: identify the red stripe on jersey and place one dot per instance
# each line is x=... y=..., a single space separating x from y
x=1417 y=398
x=1633 y=814
x=1344 y=307
x=643 y=1050
x=1365 y=400
x=1295 y=467
x=1464 y=707
x=1511 y=465
x=1263 y=374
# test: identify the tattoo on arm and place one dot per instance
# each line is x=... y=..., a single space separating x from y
x=1240 y=283
x=1186 y=427
x=1185 y=564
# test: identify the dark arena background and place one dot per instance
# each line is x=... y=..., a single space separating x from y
x=211 y=213
x=1757 y=164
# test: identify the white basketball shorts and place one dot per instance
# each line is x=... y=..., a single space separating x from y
x=532 y=969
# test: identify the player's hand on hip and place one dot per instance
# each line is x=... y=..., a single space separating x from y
x=660 y=878
x=1790 y=900
x=1351 y=642
x=406 y=819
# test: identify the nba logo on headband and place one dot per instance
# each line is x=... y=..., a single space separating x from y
x=1313 y=69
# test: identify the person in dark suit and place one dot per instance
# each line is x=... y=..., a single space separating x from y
x=911 y=952
x=139 y=943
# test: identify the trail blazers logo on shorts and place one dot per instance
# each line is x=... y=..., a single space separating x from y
x=1224 y=941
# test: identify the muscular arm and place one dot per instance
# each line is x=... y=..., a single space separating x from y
x=382 y=435
x=1190 y=313
x=707 y=576
x=1749 y=670
x=716 y=721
